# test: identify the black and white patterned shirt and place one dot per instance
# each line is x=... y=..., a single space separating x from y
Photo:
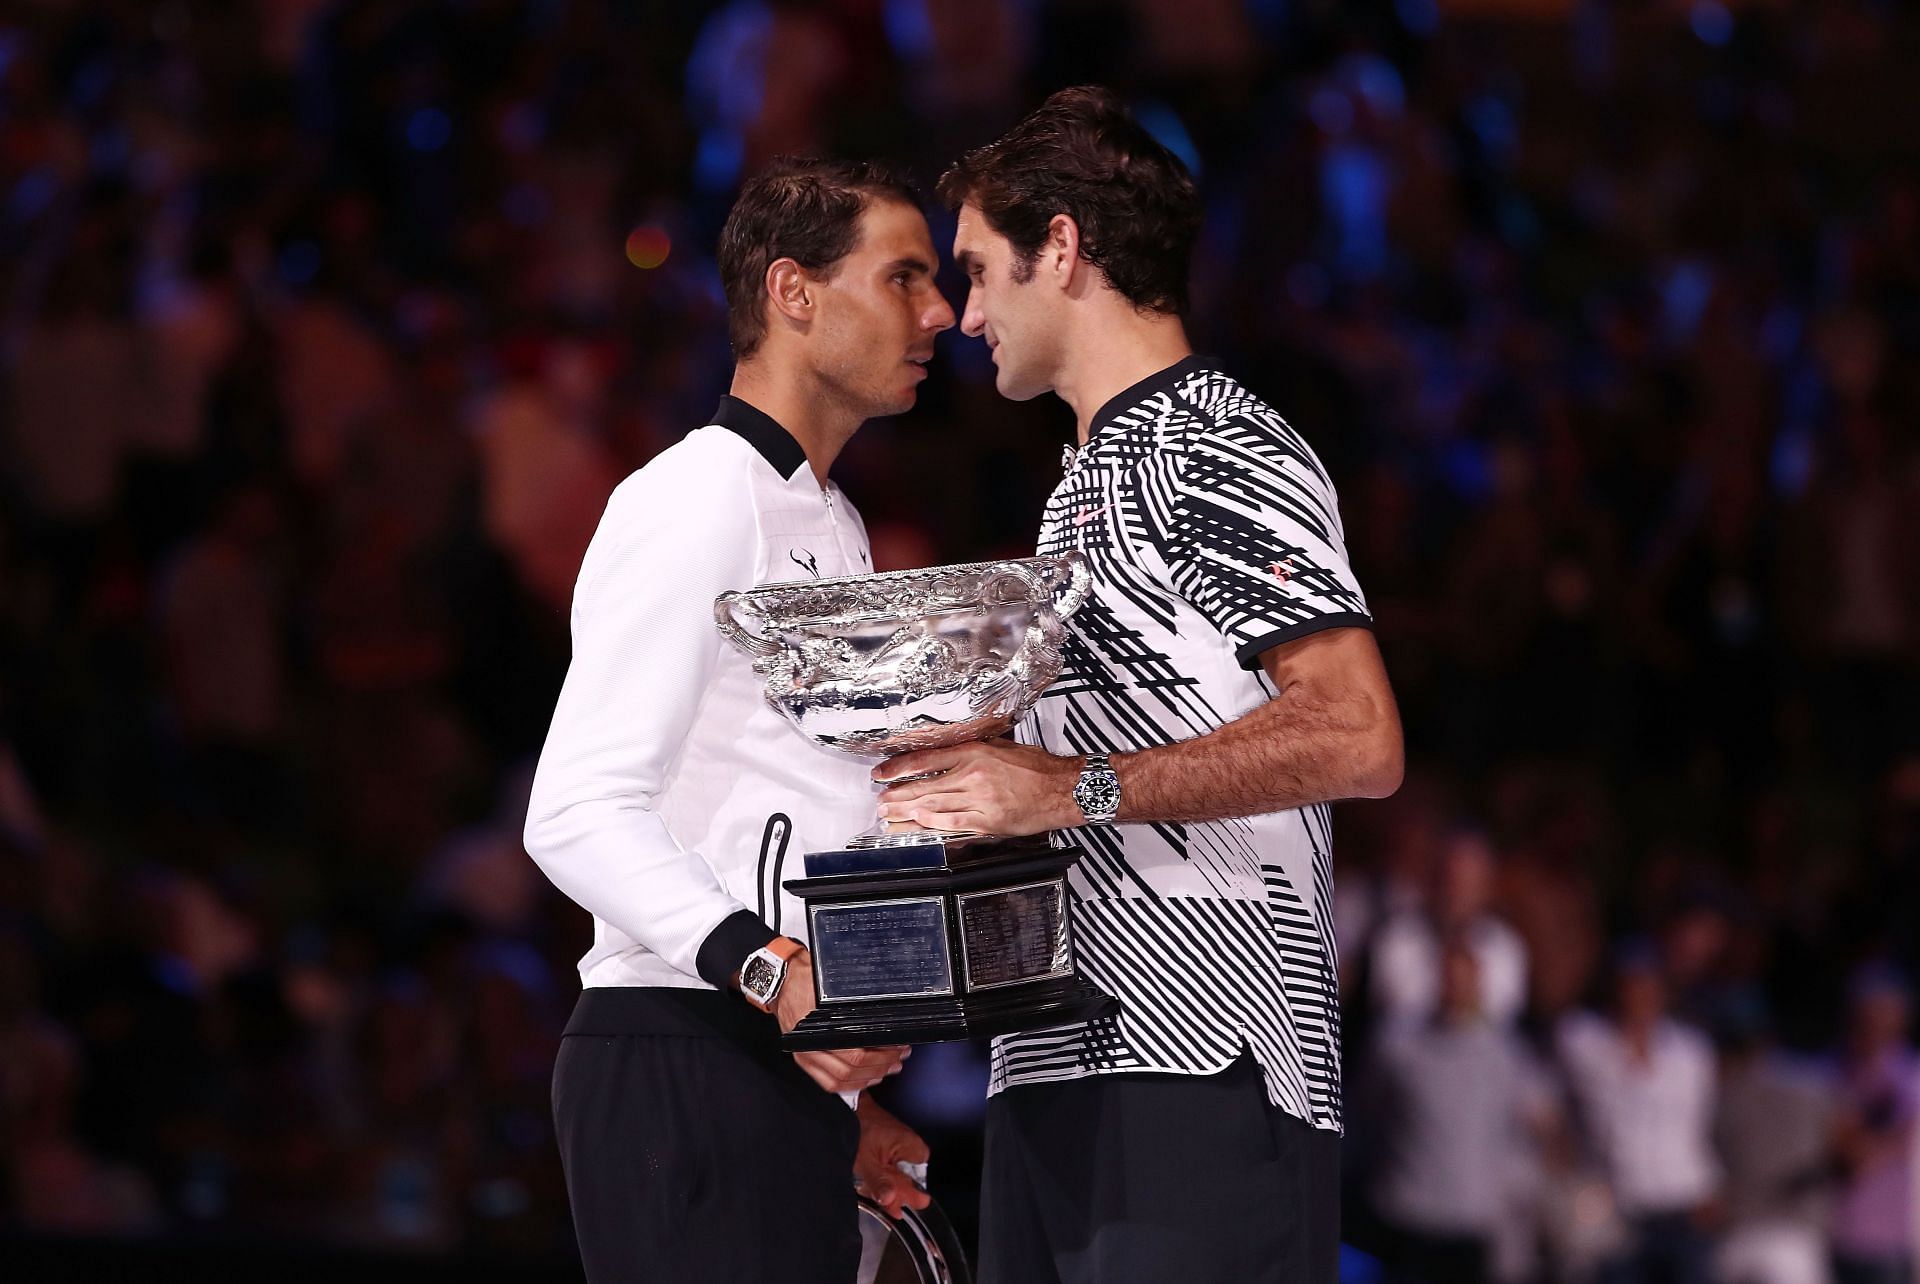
x=1213 y=534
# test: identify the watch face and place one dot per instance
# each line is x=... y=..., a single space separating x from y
x=1098 y=794
x=757 y=977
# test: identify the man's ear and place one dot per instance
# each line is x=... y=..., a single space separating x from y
x=1061 y=250
x=789 y=290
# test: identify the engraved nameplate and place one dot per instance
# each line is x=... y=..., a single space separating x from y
x=880 y=949
x=1015 y=934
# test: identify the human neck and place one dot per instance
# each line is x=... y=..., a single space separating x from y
x=1113 y=352
x=787 y=394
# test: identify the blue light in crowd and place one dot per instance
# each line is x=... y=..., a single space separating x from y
x=1685 y=294
x=717 y=161
x=1270 y=16
x=1791 y=465
x=948 y=1085
x=1377 y=81
x=299 y=262
x=428 y=130
x=1492 y=121
x=1419 y=17
x=726 y=72
x=1355 y=187
x=909 y=29
x=1468 y=469
x=1159 y=120
x=725 y=81
x=32 y=194
x=1712 y=22
x=1357 y=1267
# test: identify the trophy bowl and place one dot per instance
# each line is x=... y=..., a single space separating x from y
x=922 y=935
x=876 y=665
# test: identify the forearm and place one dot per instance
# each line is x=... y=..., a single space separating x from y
x=1301 y=748
x=617 y=861
x=1331 y=732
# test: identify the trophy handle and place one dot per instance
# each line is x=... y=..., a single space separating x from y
x=1072 y=595
x=733 y=631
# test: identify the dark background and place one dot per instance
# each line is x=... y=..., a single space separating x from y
x=329 y=326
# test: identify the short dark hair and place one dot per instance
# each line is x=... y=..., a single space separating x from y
x=1084 y=155
x=800 y=208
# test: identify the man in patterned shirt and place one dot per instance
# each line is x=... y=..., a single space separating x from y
x=1223 y=682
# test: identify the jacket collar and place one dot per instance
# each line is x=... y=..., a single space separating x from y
x=775 y=444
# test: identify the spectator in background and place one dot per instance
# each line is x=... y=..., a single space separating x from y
x=1643 y=1088
x=1772 y=1132
x=1695 y=946
x=222 y=617
x=57 y=1183
x=1407 y=950
x=1877 y=1080
x=1454 y=1098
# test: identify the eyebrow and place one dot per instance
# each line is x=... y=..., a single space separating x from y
x=966 y=259
x=911 y=265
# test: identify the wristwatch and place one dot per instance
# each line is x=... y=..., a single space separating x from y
x=765 y=969
x=1098 y=792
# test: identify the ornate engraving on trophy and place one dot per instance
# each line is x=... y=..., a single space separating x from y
x=1015 y=934
x=880 y=949
x=876 y=665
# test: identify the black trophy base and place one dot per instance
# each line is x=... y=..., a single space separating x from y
x=1066 y=1000
x=942 y=940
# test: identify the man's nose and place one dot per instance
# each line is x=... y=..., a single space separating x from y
x=974 y=323
x=940 y=316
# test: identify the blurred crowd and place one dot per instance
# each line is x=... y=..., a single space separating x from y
x=328 y=326
x=1660 y=1131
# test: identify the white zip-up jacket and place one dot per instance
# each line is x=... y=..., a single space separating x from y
x=671 y=800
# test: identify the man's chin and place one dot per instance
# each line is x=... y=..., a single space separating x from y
x=1007 y=387
x=899 y=405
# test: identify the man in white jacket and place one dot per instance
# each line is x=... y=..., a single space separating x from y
x=670 y=797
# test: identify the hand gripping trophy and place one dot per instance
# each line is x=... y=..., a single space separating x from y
x=924 y=935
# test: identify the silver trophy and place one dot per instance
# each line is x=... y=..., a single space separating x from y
x=921 y=935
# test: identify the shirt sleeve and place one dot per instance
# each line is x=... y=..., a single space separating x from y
x=1252 y=537
x=644 y=651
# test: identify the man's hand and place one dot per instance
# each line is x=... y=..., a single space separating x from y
x=885 y=1144
x=993 y=786
x=836 y=1069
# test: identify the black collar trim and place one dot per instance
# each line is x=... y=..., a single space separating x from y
x=764 y=433
x=1163 y=381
